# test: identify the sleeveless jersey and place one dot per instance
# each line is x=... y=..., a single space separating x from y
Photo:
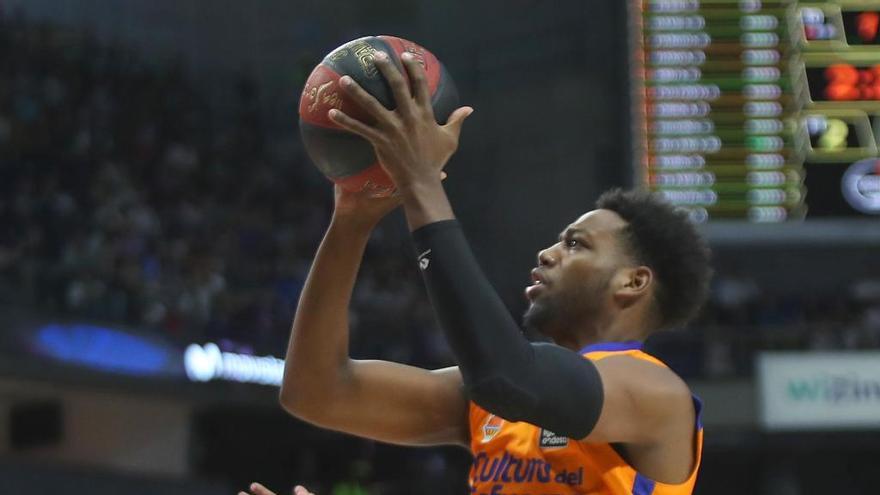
x=517 y=458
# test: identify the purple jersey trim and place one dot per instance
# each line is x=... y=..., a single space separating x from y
x=613 y=346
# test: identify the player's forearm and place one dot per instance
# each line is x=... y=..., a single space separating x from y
x=426 y=202
x=472 y=315
x=462 y=310
x=318 y=349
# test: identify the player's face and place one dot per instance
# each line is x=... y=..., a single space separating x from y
x=573 y=279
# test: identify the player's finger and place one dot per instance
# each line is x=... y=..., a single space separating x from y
x=354 y=125
x=418 y=79
x=301 y=490
x=258 y=489
x=365 y=100
x=395 y=79
x=457 y=118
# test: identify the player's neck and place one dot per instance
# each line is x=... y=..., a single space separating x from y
x=620 y=329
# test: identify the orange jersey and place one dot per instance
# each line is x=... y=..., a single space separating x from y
x=523 y=459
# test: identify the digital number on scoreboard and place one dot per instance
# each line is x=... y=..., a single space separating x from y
x=759 y=109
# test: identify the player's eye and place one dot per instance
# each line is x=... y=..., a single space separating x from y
x=571 y=243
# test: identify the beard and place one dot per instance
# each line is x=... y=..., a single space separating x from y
x=540 y=314
x=559 y=314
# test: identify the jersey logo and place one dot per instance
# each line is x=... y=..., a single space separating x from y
x=552 y=440
x=491 y=427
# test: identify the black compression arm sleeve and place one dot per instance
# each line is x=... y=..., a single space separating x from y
x=543 y=384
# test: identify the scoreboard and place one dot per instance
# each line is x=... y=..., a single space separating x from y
x=762 y=110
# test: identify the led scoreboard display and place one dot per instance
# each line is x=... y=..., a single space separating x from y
x=765 y=110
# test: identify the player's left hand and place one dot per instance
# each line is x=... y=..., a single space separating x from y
x=258 y=489
x=408 y=142
x=363 y=207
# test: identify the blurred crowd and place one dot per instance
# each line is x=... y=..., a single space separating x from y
x=742 y=317
x=128 y=196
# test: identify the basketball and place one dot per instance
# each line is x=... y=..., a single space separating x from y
x=346 y=158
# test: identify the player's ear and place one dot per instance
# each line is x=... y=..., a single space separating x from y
x=632 y=284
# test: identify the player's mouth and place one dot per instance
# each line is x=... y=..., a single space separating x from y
x=539 y=282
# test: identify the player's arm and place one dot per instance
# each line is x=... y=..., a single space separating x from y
x=375 y=399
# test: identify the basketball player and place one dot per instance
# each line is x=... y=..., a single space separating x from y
x=590 y=413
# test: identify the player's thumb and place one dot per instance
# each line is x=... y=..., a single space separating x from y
x=455 y=121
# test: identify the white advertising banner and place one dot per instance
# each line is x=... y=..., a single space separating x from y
x=819 y=390
x=204 y=363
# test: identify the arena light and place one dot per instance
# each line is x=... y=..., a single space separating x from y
x=104 y=349
x=204 y=363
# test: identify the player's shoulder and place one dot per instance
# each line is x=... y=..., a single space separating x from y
x=645 y=379
x=645 y=402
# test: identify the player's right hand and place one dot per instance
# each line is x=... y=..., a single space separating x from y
x=258 y=489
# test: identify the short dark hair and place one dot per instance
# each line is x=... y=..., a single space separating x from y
x=663 y=238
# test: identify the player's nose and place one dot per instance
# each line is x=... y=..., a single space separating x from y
x=546 y=257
